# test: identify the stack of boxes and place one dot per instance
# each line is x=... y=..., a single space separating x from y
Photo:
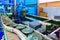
x=41 y=13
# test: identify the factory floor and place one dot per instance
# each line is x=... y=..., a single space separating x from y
x=12 y=36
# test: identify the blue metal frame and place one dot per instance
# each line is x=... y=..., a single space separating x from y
x=32 y=10
x=20 y=7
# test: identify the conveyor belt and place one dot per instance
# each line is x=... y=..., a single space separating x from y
x=35 y=17
x=39 y=21
x=44 y=19
x=34 y=34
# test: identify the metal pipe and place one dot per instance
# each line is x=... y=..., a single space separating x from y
x=15 y=8
x=54 y=31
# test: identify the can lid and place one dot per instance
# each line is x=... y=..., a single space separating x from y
x=20 y=27
x=27 y=30
x=34 y=36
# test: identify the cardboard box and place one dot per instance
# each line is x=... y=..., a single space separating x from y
x=40 y=9
x=44 y=14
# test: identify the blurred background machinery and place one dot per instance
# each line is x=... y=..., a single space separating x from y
x=19 y=8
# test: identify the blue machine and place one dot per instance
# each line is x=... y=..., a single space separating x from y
x=30 y=6
x=19 y=8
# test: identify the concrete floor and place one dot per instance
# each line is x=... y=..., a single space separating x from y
x=12 y=36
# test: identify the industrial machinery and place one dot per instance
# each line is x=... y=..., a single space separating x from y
x=41 y=23
x=27 y=29
x=30 y=34
x=23 y=7
x=55 y=34
x=32 y=7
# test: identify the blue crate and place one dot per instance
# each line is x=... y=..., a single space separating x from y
x=31 y=6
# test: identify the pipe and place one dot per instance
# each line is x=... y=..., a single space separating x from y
x=20 y=34
x=54 y=37
x=54 y=31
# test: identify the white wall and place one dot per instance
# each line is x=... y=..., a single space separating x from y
x=44 y=1
x=52 y=11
